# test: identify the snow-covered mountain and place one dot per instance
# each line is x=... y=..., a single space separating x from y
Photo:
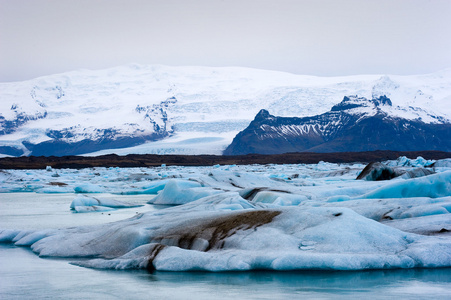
x=185 y=110
x=355 y=124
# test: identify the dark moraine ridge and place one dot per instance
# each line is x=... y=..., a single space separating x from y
x=151 y=160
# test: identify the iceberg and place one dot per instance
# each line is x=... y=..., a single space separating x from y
x=391 y=208
x=92 y=208
x=84 y=203
x=443 y=163
x=202 y=235
x=433 y=186
x=379 y=171
x=403 y=161
x=88 y=188
x=178 y=192
x=238 y=218
x=272 y=197
x=152 y=188
x=55 y=190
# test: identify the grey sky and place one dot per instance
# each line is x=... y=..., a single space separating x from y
x=316 y=37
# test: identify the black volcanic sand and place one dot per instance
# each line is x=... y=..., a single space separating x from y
x=151 y=160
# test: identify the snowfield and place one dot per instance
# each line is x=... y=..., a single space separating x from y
x=191 y=110
x=224 y=218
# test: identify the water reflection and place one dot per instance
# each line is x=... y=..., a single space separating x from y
x=26 y=276
x=324 y=281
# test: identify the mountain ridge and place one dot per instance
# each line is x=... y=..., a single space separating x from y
x=183 y=110
x=355 y=124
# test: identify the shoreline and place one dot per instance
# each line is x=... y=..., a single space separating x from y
x=155 y=160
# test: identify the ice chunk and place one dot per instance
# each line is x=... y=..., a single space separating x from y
x=152 y=188
x=403 y=161
x=99 y=204
x=236 y=219
x=92 y=208
x=393 y=208
x=417 y=172
x=8 y=235
x=294 y=238
x=88 y=188
x=276 y=198
x=178 y=192
x=434 y=186
x=378 y=171
x=55 y=190
x=84 y=201
x=443 y=163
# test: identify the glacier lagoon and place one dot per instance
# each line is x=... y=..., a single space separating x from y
x=26 y=276
x=37 y=201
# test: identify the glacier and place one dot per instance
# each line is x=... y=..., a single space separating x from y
x=185 y=110
x=241 y=217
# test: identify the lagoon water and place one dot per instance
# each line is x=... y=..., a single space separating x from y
x=24 y=275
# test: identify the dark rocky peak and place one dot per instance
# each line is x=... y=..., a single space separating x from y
x=350 y=102
x=382 y=100
x=356 y=124
x=263 y=114
x=169 y=101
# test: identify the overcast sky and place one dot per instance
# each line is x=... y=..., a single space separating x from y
x=314 y=37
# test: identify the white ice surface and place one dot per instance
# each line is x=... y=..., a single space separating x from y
x=320 y=217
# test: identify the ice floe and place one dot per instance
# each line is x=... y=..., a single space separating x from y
x=84 y=203
x=379 y=171
x=433 y=186
x=181 y=192
x=223 y=218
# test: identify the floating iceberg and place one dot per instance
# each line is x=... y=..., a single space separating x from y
x=84 y=203
x=88 y=188
x=178 y=192
x=208 y=235
x=403 y=161
x=272 y=197
x=378 y=171
x=92 y=208
x=152 y=188
x=433 y=186
x=275 y=217
x=443 y=163
x=55 y=190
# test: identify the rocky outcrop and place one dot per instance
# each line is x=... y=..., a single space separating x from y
x=355 y=124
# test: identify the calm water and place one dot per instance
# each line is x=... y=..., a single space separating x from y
x=23 y=275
